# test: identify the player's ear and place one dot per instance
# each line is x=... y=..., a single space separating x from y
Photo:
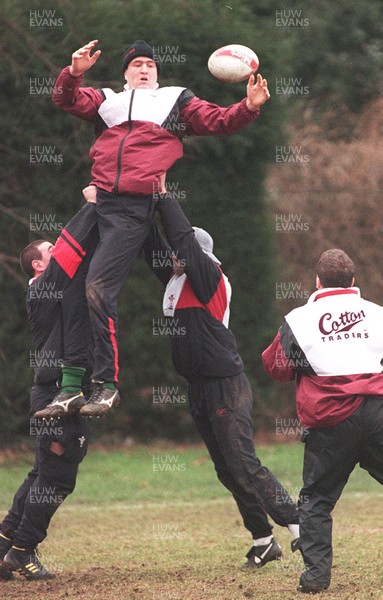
x=36 y=264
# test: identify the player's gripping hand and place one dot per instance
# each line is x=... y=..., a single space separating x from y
x=257 y=94
x=82 y=60
x=90 y=193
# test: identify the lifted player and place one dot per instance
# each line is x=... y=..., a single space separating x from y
x=139 y=137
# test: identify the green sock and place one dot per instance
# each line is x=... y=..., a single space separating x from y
x=110 y=386
x=71 y=379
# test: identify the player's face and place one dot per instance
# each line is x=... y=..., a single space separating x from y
x=46 y=253
x=141 y=73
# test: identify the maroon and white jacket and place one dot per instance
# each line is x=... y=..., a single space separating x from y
x=139 y=132
x=333 y=347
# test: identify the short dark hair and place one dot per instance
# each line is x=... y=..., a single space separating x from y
x=335 y=269
x=28 y=255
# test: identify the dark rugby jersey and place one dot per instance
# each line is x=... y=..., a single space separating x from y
x=196 y=304
x=46 y=295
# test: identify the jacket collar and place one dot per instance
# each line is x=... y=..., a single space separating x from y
x=328 y=292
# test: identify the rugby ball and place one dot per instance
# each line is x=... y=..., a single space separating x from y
x=233 y=63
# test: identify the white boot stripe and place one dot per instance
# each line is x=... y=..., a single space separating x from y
x=266 y=551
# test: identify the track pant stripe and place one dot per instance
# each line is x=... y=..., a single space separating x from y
x=112 y=333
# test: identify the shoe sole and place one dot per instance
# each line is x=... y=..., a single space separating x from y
x=13 y=567
x=99 y=410
x=311 y=590
x=35 y=577
x=58 y=411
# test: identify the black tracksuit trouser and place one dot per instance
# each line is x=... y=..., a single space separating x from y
x=53 y=476
x=331 y=454
x=124 y=223
x=221 y=409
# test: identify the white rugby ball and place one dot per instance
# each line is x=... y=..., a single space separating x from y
x=233 y=63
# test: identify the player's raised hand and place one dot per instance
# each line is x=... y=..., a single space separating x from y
x=82 y=60
x=257 y=93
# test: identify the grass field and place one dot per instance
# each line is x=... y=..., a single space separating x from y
x=153 y=523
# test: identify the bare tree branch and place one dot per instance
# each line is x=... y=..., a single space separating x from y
x=23 y=35
x=9 y=258
x=14 y=215
x=334 y=197
x=4 y=262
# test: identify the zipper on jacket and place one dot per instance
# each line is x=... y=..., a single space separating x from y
x=117 y=180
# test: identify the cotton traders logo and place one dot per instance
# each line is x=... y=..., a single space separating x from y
x=332 y=328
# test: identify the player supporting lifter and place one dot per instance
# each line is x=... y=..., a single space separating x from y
x=59 y=321
x=197 y=297
x=138 y=138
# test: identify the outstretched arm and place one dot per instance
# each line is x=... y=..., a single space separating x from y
x=202 y=272
x=82 y=59
x=206 y=118
x=158 y=255
x=79 y=237
x=82 y=102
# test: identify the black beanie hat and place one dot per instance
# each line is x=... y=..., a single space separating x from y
x=138 y=48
